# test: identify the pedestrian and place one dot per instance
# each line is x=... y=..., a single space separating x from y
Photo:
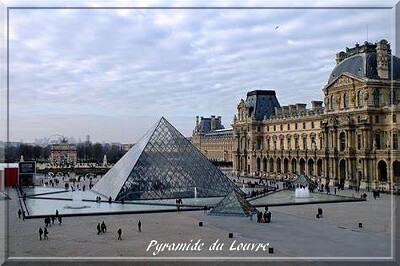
x=139 y=224
x=46 y=233
x=53 y=219
x=19 y=213
x=40 y=233
x=23 y=215
x=103 y=227
x=98 y=229
x=119 y=234
x=56 y=213
x=335 y=191
x=59 y=219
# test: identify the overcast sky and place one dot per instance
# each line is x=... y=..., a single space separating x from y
x=111 y=74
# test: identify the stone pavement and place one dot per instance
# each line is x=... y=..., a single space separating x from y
x=294 y=232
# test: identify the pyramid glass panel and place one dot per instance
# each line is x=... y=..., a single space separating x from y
x=164 y=165
x=234 y=204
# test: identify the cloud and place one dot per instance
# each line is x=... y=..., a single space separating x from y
x=175 y=63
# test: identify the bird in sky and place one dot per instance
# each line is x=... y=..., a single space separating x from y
x=277 y=27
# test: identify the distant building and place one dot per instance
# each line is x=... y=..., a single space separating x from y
x=63 y=153
x=212 y=139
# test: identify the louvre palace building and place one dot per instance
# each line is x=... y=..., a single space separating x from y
x=349 y=138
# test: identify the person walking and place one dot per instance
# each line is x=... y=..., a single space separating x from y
x=40 y=233
x=119 y=234
x=45 y=234
x=19 y=213
x=56 y=213
x=60 y=219
x=103 y=227
x=98 y=229
x=139 y=224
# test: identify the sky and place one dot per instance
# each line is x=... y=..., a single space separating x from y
x=111 y=74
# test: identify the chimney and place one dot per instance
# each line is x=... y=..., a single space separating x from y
x=278 y=111
x=316 y=105
x=285 y=110
x=340 y=57
x=382 y=58
x=213 y=123
x=301 y=106
x=292 y=109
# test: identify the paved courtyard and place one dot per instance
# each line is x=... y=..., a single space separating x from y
x=294 y=232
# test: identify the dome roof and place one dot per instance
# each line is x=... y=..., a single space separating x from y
x=363 y=65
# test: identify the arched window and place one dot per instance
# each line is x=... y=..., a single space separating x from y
x=376 y=95
x=359 y=99
x=345 y=100
x=331 y=102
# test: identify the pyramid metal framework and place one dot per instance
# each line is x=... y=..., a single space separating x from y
x=235 y=204
x=163 y=164
x=303 y=181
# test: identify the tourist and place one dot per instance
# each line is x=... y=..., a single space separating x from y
x=19 y=213
x=98 y=229
x=46 y=233
x=23 y=215
x=335 y=191
x=259 y=217
x=119 y=234
x=265 y=217
x=53 y=219
x=56 y=213
x=268 y=217
x=319 y=213
x=139 y=224
x=40 y=233
x=103 y=227
x=59 y=219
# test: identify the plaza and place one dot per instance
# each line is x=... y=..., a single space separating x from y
x=293 y=232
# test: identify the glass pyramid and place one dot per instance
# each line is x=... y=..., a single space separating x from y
x=163 y=164
x=304 y=181
x=233 y=204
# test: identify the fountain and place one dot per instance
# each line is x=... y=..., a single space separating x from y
x=77 y=201
x=195 y=193
x=302 y=193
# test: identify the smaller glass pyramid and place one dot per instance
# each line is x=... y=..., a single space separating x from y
x=234 y=204
x=304 y=181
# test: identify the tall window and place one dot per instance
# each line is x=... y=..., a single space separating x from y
x=331 y=102
x=359 y=141
x=376 y=95
x=268 y=144
x=395 y=142
x=289 y=143
x=304 y=125
x=312 y=124
x=281 y=144
x=359 y=99
x=296 y=143
x=378 y=141
x=295 y=126
x=345 y=100
x=288 y=126
x=304 y=144
x=342 y=141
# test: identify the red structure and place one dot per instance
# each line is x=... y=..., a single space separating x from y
x=11 y=177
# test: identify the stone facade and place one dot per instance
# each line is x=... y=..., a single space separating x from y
x=63 y=152
x=352 y=138
x=212 y=139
